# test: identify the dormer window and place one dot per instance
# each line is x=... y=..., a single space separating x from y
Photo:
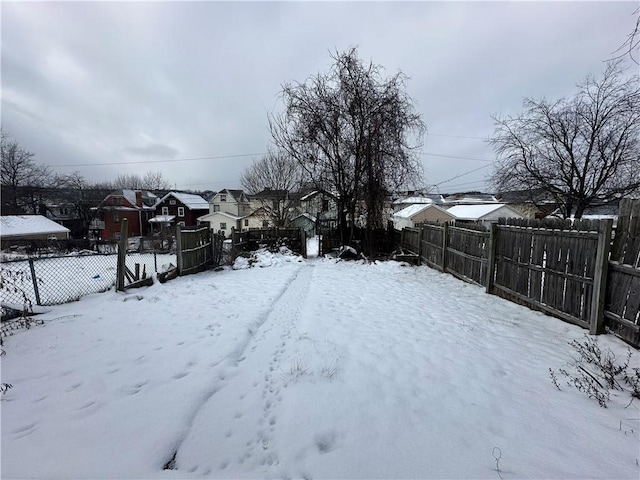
x=223 y=198
x=172 y=202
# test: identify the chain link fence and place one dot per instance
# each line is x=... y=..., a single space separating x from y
x=57 y=279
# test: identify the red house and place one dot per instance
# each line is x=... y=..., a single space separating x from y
x=177 y=208
x=136 y=206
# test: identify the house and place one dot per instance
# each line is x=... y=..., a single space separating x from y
x=533 y=203
x=419 y=213
x=226 y=211
x=488 y=213
x=177 y=208
x=305 y=221
x=22 y=228
x=278 y=205
x=321 y=205
x=136 y=206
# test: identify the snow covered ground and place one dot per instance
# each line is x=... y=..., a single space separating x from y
x=305 y=369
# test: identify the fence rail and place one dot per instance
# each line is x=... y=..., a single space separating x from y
x=563 y=268
x=197 y=249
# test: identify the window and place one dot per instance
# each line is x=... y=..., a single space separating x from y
x=325 y=205
x=223 y=198
x=116 y=217
x=116 y=236
x=182 y=224
x=223 y=225
x=216 y=208
x=265 y=224
x=181 y=212
x=172 y=202
x=165 y=210
x=246 y=222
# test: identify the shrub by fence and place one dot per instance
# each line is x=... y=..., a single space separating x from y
x=560 y=267
x=294 y=239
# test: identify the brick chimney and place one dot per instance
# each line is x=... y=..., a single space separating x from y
x=138 y=198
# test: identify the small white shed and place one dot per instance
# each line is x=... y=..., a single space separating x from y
x=483 y=213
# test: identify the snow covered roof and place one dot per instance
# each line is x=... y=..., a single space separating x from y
x=476 y=212
x=470 y=198
x=15 y=225
x=189 y=200
x=209 y=216
x=412 y=210
x=422 y=199
x=162 y=219
x=306 y=215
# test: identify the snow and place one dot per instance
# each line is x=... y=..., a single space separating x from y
x=14 y=225
x=411 y=210
x=192 y=201
x=162 y=219
x=305 y=369
x=474 y=212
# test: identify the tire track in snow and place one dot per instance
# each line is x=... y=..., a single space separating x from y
x=258 y=360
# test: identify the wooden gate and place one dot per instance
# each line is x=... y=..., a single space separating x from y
x=197 y=249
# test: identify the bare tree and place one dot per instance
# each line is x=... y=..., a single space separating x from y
x=272 y=180
x=631 y=45
x=581 y=149
x=353 y=132
x=155 y=181
x=83 y=197
x=128 y=181
x=22 y=179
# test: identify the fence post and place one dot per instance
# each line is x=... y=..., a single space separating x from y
x=402 y=238
x=179 y=248
x=122 y=255
x=35 y=281
x=491 y=257
x=600 y=277
x=445 y=239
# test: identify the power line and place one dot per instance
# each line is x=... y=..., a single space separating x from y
x=159 y=161
x=461 y=175
x=457 y=157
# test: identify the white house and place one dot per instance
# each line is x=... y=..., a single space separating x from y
x=483 y=213
x=420 y=213
x=227 y=210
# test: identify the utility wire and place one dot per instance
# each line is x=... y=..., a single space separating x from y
x=160 y=161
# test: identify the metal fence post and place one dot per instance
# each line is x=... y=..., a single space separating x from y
x=596 y=323
x=35 y=281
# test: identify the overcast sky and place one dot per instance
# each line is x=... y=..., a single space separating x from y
x=117 y=87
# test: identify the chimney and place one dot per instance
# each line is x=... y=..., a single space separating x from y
x=138 y=198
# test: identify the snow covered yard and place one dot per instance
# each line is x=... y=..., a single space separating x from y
x=305 y=369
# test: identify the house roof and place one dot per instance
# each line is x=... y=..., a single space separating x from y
x=148 y=198
x=469 y=198
x=421 y=199
x=306 y=215
x=270 y=194
x=189 y=200
x=162 y=219
x=413 y=210
x=16 y=225
x=205 y=218
x=477 y=212
x=317 y=192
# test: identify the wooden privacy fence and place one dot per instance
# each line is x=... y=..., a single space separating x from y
x=563 y=268
x=458 y=250
x=197 y=249
x=622 y=304
x=249 y=240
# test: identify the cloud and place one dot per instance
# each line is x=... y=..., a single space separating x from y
x=111 y=82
